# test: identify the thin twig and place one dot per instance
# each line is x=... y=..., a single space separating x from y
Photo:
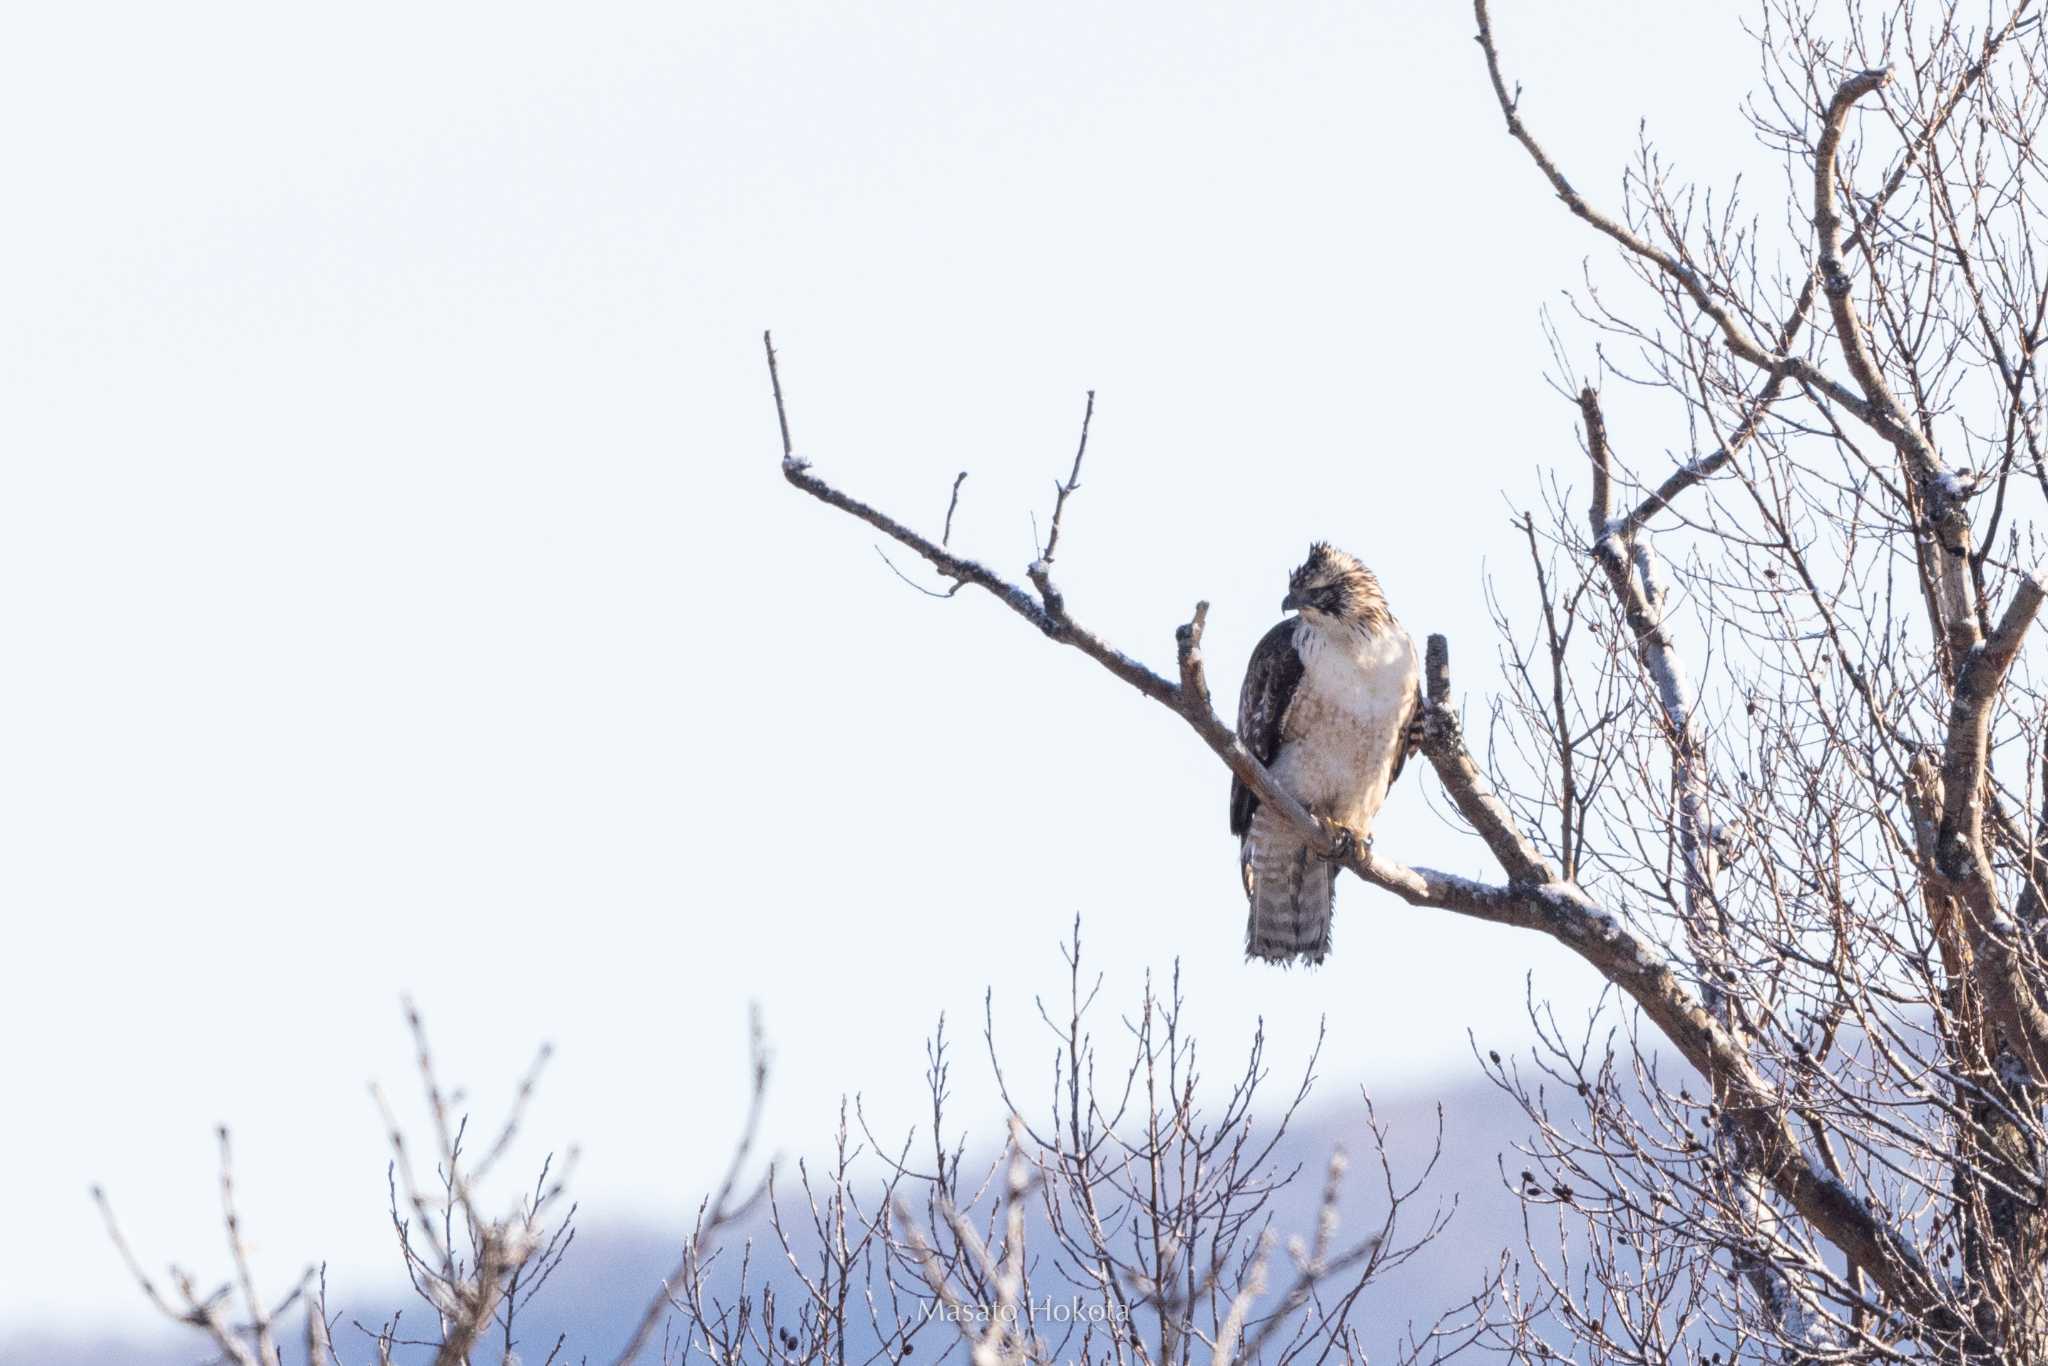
x=1066 y=490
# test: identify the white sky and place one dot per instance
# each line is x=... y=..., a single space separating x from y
x=398 y=590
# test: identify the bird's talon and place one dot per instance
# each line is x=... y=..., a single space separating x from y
x=1345 y=843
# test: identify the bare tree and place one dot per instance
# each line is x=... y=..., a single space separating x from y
x=473 y=1272
x=1769 y=754
x=1132 y=1220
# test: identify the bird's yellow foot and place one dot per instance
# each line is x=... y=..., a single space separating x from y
x=1345 y=843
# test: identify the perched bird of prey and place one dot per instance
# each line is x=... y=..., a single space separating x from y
x=1329 y=702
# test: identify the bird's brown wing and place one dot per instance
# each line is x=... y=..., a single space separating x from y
x=1401 y=754
x=1407 y=725
x=1269 y=683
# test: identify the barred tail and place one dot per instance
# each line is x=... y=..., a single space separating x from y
x=1290 y=891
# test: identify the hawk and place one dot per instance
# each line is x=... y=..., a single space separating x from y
x=1330 y=701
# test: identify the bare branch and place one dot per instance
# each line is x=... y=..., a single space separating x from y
x=952 y=505
x=1066 y=490
x=775 y=382
x=1962 y=849
x=1738 y=338
x=1443 y=743
x=259 y=1314
x=720 y=1209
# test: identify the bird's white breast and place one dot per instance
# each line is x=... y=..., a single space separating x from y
x=1348 y=721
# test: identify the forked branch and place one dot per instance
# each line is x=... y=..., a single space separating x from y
x=1962 y=852
x=1871 y=400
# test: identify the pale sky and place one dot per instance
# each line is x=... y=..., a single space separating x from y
x=398 y=591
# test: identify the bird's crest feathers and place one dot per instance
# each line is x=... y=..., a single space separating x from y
x=1341 y=587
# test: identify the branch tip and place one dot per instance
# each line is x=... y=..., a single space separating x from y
x=1437 y=669
x=781 y=413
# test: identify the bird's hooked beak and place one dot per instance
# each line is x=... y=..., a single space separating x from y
x=1293 y=602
